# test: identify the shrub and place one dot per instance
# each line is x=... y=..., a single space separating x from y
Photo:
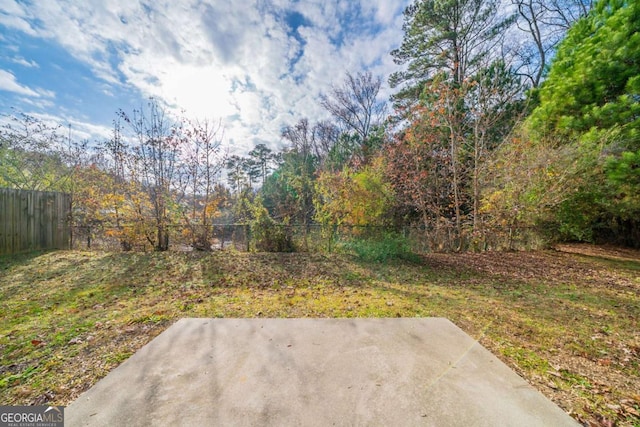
x=266 y=234
x=389 y=246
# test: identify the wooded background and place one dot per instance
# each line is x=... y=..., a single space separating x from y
x=486 y=139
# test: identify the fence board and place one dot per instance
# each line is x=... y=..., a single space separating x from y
x=33 y=220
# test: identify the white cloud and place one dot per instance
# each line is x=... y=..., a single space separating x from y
x=21 y=61
x=229 y=60
x=16 y=23
x=39 y=103
x=9 y=83
x=15 y=16
x=385 y=11
x=87 y=131
x=11 y=7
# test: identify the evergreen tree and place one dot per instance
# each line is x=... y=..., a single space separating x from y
x=594 y=81
x=444 y=36
x=591 y=100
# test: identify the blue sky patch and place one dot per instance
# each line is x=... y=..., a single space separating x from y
x=245 y=63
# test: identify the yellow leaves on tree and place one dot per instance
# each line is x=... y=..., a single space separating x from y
x=351 y=197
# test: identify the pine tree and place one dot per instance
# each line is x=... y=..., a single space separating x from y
x=444 y=36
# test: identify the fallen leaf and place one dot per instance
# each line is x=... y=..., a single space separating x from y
x=555 y=374
x=631 y=410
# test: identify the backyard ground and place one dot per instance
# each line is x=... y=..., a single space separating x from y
x=566 y=319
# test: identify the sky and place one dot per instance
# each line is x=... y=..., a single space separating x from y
x=255 y=65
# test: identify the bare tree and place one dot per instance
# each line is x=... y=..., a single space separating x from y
x=355 y=104
x=204 y=163
x=325 y=135
x=546 y=23
x=36 y=155
x=493 y=110
x=115 y=151
x=158 y=144
x=563 y=13
x=117 y=161
x=301 y=137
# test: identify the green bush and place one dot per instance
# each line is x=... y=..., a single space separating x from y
x=390 y=246
x=266 y=234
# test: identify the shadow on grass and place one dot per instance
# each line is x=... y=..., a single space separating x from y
x=614 y=263
x=13 y=260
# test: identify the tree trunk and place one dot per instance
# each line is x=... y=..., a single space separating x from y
x=456 y=193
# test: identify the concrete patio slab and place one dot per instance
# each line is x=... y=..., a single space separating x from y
x=314 y=372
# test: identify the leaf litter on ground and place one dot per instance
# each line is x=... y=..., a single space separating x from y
x=565 y=319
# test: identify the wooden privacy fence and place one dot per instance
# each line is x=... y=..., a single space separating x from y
x=32 y=220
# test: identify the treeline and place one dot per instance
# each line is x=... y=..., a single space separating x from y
x=482 y=135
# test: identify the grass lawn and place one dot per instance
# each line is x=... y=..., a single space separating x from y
x=567 y=320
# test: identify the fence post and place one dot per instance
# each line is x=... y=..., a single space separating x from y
x=248 y=235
